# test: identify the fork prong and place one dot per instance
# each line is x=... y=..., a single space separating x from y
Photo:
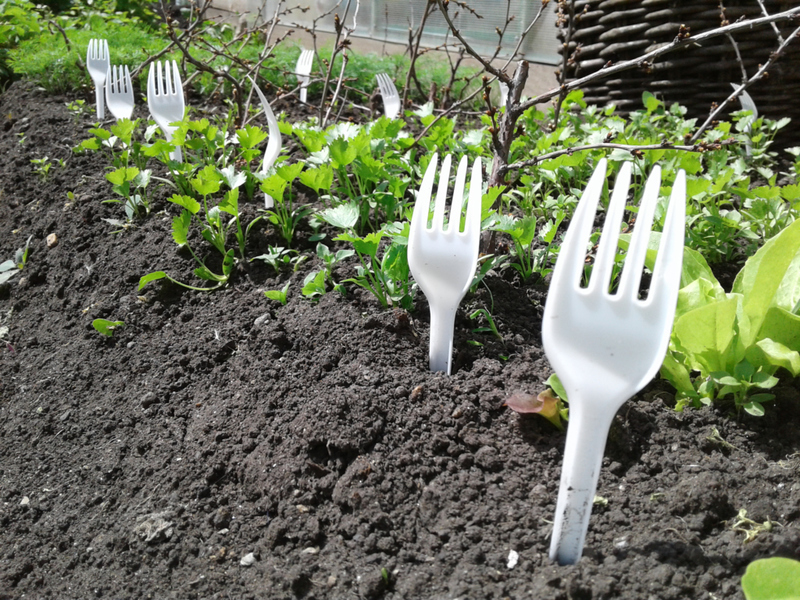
x=473 y=219
x=669 y=261
x=454 y=222
x=104 y=50
x=422 y=207
x=604 y=262
x=151 y=83
x=637 y=251
x=381 y=84
x=571 y=259
x=441 y=194
x=89 y=50
x=160 y=78
x=128 y=82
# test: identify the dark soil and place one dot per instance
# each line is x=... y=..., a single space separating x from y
x=310 y=439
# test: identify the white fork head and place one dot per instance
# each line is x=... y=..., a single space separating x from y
x=274 y=143
x=442 y=258
x=119 y=92
x=391 y=99
x=165 y=93
x=303 y=72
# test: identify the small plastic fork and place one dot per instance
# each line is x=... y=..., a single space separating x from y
x=97 y=63
x=119 y=92
x=391 y=99
x=303 y=72
x=746 y=100
x=165 y=100
x=606 y=347
x=443 y=259
x=274 y=142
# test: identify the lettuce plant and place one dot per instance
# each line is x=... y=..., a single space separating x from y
x=733 y=344
x=775 y=578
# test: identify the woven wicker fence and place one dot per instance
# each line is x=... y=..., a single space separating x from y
x=696 y=77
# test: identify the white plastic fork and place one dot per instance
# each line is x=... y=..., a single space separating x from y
x=606 y=347
x=97 y=62
x=391 y=99
x=119 y=92
x=747 y=102
x=274 y=142
x=165 y=100
x=303 y=72
x=443 y=259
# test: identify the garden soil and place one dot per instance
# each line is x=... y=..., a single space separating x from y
x=221 y=445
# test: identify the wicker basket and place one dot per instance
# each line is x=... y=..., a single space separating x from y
x=618 y=30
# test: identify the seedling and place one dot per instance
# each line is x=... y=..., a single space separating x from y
x=106 y=327
x=281 y=258
x=13 y=266
x=751 y=529
x=545 y=404
x=41 y=166
x=492 y=328
x=279 y=295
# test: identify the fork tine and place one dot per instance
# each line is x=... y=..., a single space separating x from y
x=637 y=251
x=160 y=78
x=604 y=262
x=571 y=258
x=422 y=207
x=454 y=222
x=475 y=194
x=128 y=82
x=151 y=83
x=104 y=50
x=441 y=194
x=669 y=260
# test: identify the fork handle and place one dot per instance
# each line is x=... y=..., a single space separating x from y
x=99 y=96
x=583 y=457
x=441 y=349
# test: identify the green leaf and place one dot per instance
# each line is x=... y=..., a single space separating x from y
x=208 y=181
x=290 y=172
x=705 y=334
x=342 y=153
x=230 y=202
x=343 y=216
x=187 y=202
x=180 y=227
x=208 y=275
x=231 y=178
x=395 y=263
x=227 y=265
x=273 y=186
x=677 y=374
x=319 y=178
x=154 y=276
x=106 y=327
x=754 y=408
x=365 y=246
x=763 y=273
x=768 y=353
x=314 y=284
x=251 y=136
x=651 y=103
x=122 y=175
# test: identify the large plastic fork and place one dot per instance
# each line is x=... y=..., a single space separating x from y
x=442 y=259
x=606 y=347
x=97 y=62
x=119 y=92
x=303 y=72
x=274 y=142
x=165 y=100
x=391 y=99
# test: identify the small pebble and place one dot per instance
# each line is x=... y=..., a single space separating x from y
x=25 y=501
x=248 y=559
x=513 y=559
x=52 y=240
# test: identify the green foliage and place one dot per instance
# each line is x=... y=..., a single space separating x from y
x=773 y=578
x=280 y=295
x=106 y=327
x=11 y=267
x=737 y=341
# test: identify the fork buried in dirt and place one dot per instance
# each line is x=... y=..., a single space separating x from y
x=165 y=100
x=119 y=92
x=303 y=72
x=443 y=259
x=606 y=347
x=274 y=143
x=391 y=99
x=97 y=62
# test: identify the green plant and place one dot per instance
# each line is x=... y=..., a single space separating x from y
x=11 y=267
x=491 y=328
x=107 y=327
x=316 y=282
x=41 y=166
x=280 y=258
x=734 y=343
x=386 y=278
x=285 y=215
x=279 y=295
x=775 y=578
x=124 y=181
x=751 y=529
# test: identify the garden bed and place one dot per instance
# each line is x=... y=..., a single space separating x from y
x=222 y=445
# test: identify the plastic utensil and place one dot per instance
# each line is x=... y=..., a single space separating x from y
x=97 y=62
x=119 y=92
x=391 y=99
x=303 y=72
x=606 y=347
x=165 y=100
x=274 y=142
x=747 y=104
x=443 y=259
